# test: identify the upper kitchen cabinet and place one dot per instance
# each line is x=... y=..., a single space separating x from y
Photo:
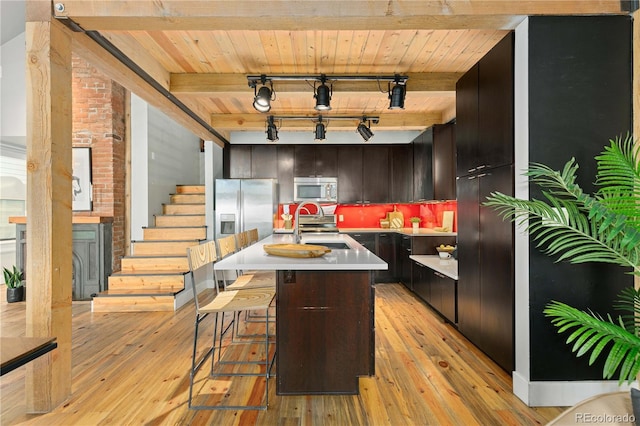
x=444 y=161
x=375 y=174
x=401 y=173
x=484 y=108
x=423 y=166
x=264 y=162
x=350 y=174
x=285 y=173
x=315 y=160
x=239 y=162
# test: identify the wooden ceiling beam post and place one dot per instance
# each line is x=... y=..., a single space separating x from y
x=49 y=233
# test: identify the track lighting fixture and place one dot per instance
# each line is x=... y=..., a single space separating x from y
x=397 y=94
x=272 y=130
x=364 y=130
x=263 y=96
x=320 y=130
x=323 y=95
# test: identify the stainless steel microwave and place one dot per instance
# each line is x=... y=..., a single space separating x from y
x=319 y=189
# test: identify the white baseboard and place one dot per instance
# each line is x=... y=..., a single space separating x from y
x=560 y=393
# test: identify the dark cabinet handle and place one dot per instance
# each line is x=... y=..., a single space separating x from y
x=438 y=274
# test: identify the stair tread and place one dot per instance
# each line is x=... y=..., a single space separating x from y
x=150 y=273
x=137 y=292
x=175 y=227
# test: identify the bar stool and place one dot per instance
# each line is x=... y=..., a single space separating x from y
x=225 y=302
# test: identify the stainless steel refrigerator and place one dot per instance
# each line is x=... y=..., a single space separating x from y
x=243 y=204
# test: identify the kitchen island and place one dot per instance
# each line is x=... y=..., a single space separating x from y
x=324 y=313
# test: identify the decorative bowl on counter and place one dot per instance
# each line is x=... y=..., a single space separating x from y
x=444 y=251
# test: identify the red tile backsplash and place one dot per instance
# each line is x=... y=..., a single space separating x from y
x=369 y=215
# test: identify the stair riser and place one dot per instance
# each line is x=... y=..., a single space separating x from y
x=132 y=264
x=190 y=189
x=187 y=199
x=164 y=234
x=183 y=209
x=149 y=248
x=133 y=304
x=177 y=220
x=146 y=283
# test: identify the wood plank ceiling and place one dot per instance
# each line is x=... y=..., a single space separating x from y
x=202 y=51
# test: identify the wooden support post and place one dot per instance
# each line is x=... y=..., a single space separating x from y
x=49 y=240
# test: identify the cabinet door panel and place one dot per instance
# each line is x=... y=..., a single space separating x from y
x=239 y=161
x=349 y=174
x=467 y=121
x=285 y=173
x=401 y=173
x=386 y=250
x=305 y=160
x=495 y=105
x=469 y=307
x=264 y=162
x=444 y=162
x=497 y=282
x=326 y=160
x=421 y=281
x=423 y=167
x=375 y=174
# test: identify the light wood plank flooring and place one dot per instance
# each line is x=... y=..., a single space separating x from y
x=132 y=368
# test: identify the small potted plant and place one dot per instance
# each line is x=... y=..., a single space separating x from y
x=15 y=287
x=415 y=223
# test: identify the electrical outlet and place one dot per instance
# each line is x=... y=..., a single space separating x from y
x=341 y=218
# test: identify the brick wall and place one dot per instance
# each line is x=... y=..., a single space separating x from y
x=99 y=123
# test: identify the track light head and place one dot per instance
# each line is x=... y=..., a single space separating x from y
x=364 y=131
x=272 y=130
x=320 y=131
x=396 y=96
x=323 y=95
x=262 y=100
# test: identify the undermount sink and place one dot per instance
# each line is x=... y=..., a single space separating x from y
x=331 y=245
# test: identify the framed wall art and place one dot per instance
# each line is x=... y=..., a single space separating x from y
x=81 y=180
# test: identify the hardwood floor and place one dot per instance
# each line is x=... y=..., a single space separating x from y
x=133 y=368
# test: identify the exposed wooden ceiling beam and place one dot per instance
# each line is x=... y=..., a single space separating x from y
x=116 y=70
x=203 y=84
x=327 y=15
x=388 y=121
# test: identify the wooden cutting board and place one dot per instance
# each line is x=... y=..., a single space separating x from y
x=396 y=220
x=447 y=220
x=296 y=250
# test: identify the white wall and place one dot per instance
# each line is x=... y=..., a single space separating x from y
x=13 y=107
x=164 y=155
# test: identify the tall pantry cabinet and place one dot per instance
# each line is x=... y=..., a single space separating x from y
x=484 y=142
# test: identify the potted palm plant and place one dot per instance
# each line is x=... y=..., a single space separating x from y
x=15 y=285
x=579 y=227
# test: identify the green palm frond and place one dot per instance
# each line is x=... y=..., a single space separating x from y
x=629 y=304
x=592 y=333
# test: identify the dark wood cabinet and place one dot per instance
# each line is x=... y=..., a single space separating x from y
x=325 y=331
x=349 y=174
x=386 y=250
x=316 y=160
x=444 y=162
x=285 y=173
x=264 y=162
x=484 y=107
x=375 y=174
x=422 y=166
x=366 y=174
x=404 y=262
x=438 y=290
x=495 y=106
x=401 y=190
x=240 y=162
x=484 y=142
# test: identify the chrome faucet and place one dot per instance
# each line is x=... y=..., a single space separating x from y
x=296 y=229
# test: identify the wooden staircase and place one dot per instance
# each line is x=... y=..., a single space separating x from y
x=153 y=277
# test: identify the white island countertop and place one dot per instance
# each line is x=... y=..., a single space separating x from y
x=448 y=267
x=355 y=258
